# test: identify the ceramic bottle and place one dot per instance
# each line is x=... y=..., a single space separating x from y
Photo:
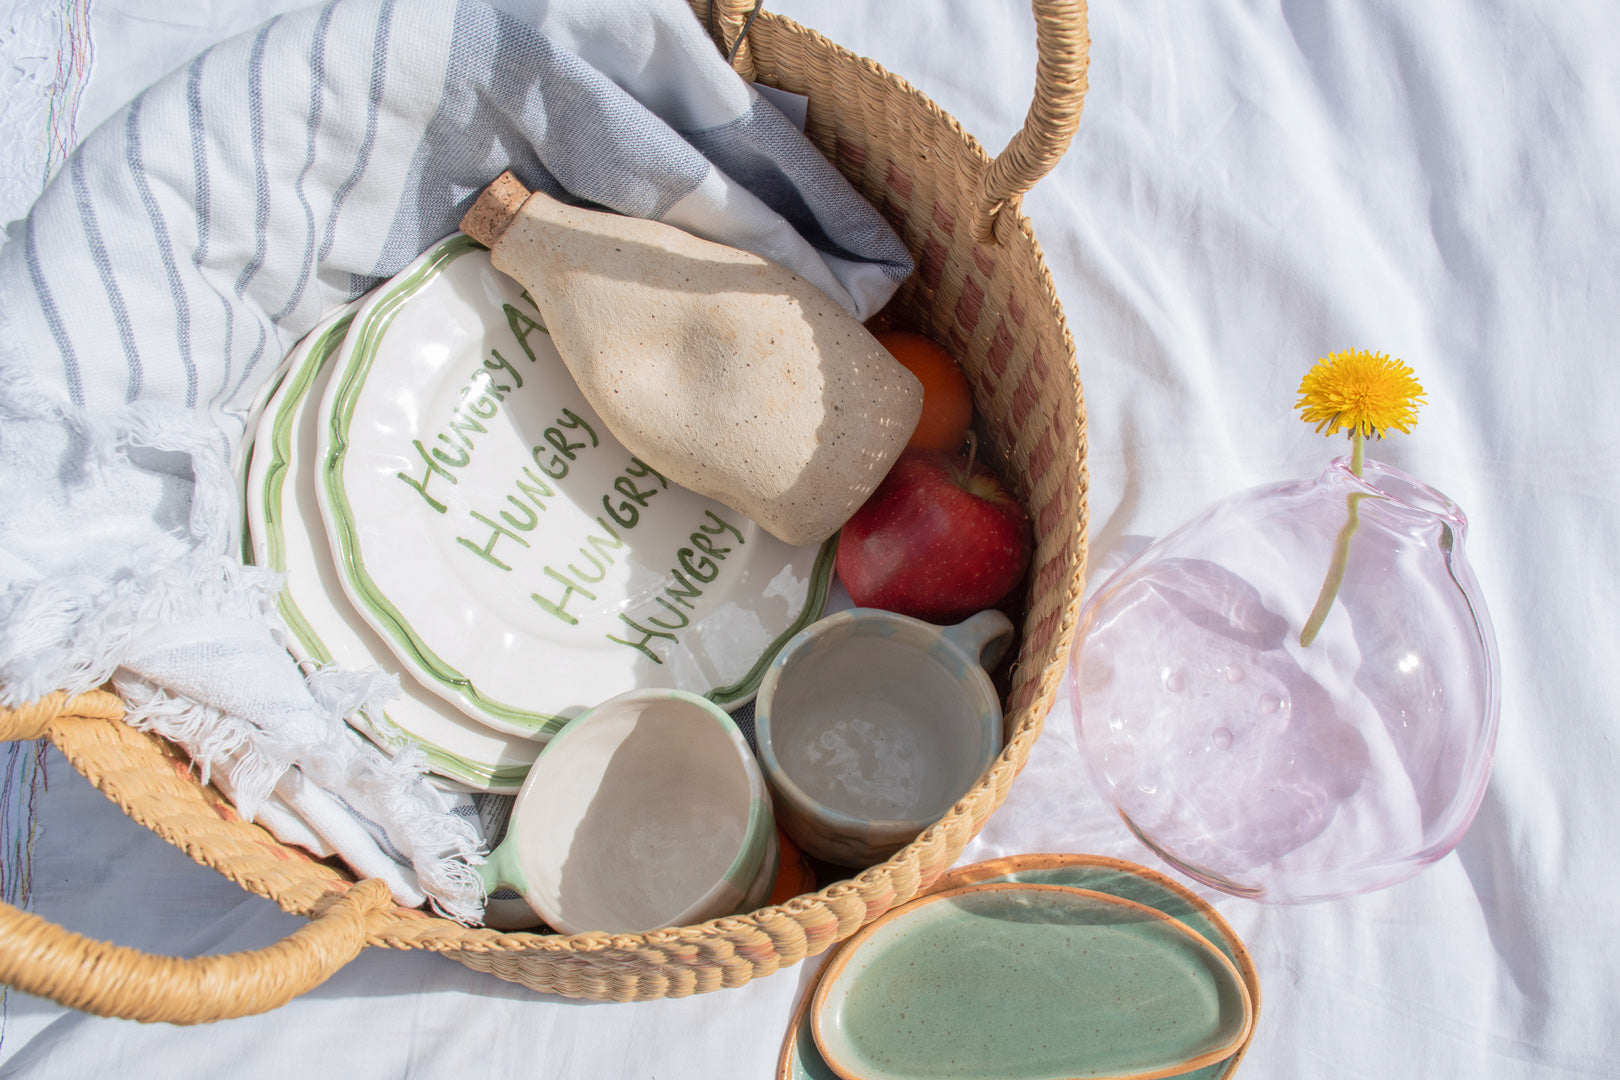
x=724 y=371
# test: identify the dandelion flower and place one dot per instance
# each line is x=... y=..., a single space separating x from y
x=1359 y=392
x=1364 y=394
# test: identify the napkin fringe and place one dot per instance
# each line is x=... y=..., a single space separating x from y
x=71 y=631
x=63 y=634
x=362 y=695
x=207 y=734
x=382 y=794
x=443 y=849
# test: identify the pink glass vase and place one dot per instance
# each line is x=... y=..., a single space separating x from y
x=1287 y=772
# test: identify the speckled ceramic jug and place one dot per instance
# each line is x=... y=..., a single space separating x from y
x=726 y=372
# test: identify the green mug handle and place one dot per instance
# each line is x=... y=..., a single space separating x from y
x=984 y=637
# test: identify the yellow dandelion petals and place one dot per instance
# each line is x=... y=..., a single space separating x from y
x=1359 y=391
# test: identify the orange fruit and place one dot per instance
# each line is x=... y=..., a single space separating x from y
x=796 y=875
x=947 y=408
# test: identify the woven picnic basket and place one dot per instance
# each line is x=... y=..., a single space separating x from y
x=982 y=287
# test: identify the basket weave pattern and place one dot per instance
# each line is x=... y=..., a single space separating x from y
x=983 y=289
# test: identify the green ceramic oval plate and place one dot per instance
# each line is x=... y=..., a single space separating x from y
x=801 y=1060
x=1027 y=982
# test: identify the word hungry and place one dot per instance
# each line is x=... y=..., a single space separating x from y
x=497 y=532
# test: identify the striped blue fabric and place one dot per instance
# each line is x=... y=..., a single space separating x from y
x=151 y=291
x=195 y=236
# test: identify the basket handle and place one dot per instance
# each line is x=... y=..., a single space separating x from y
x=1063 y=53
x=41 y=958
x=1062 y=47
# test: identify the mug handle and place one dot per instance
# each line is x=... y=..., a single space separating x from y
x=984 y=637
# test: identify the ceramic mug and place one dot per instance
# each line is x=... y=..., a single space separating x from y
x=871 y=725
x=645 y=812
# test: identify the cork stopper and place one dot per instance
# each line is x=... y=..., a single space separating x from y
x=487 y=220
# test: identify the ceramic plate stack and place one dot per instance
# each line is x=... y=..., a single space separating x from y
x=447 y=507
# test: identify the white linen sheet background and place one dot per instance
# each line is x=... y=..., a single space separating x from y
x=1253 y=186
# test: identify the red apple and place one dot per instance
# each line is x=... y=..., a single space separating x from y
x=940 y=539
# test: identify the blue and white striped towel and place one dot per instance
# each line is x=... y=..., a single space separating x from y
x=154 y=286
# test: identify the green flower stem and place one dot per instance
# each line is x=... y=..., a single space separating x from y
x=1341 y=549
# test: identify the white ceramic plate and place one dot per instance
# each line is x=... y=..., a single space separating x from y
x=286 y=534
x=507 y=548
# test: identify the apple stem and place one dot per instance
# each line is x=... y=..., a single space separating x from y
x=972 y=450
